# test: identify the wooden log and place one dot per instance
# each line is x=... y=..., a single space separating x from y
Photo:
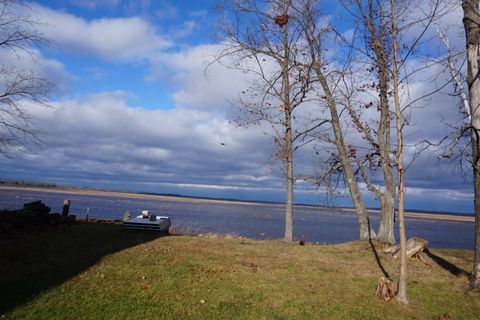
x=415 y=246
x=392 y=249
x=66 y=207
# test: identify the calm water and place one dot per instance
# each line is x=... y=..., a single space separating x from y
x=258 y=221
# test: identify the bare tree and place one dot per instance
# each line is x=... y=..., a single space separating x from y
x=471 y=21
x=380 y=25
x=373 y=21
x=328 y=79
x=264 y=41
x=375 y=44
x=337 y=88
x=19 y=86
x=402 y=283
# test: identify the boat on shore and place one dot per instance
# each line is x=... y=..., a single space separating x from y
x=146 y=221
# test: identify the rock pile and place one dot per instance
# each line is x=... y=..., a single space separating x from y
x=33 y=216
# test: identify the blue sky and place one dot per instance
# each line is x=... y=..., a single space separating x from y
x=185 y=23
x=135 y=110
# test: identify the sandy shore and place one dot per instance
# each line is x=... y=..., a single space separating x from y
x=134 y=195
x=414 y=215
x=424 y=215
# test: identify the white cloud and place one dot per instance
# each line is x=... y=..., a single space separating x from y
x=111 y=39
x=199 y=85
x=453 y=195
x=103 y=134
x=38 y=65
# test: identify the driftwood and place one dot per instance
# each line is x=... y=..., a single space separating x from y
x=386 y=289
x=415 y=246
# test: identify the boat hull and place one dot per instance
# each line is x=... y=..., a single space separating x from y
x=161 y=223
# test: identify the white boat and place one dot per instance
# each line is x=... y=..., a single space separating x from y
x=147 y=221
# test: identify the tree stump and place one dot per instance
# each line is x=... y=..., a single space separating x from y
x=386 y=289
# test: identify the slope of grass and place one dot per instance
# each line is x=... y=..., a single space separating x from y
x=92 y=271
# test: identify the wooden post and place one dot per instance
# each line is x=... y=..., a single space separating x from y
x=66 y=207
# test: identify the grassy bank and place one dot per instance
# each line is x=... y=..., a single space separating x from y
x=96 y=271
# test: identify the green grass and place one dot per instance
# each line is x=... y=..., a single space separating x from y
x=95 y=271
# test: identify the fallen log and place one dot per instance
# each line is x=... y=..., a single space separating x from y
x=392 y=249
x=414 y=247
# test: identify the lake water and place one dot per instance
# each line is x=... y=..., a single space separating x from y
x=256 y=221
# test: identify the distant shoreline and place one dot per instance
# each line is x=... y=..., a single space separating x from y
x=415 y=215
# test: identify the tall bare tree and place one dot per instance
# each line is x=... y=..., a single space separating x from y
x=327 y=78
x=18 y=85
x=374 y=43
x=382 y=24
x=471 y=22
x=262 y=40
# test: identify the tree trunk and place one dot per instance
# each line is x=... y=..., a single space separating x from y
x=386 y=228
x=475 y=276
x=402 y=283
x=471 y=22
x=289 y=179
x=366 y=231
x=288 y=155
x=387 y=200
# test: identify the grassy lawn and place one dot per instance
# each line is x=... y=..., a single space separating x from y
x=98 y=271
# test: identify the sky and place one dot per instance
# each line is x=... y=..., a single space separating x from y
x=136 y=109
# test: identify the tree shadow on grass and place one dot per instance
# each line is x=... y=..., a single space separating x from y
x=450 y=267
x=377 y=259
x=31 y=263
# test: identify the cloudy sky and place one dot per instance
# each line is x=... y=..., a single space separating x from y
x=135 y=110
